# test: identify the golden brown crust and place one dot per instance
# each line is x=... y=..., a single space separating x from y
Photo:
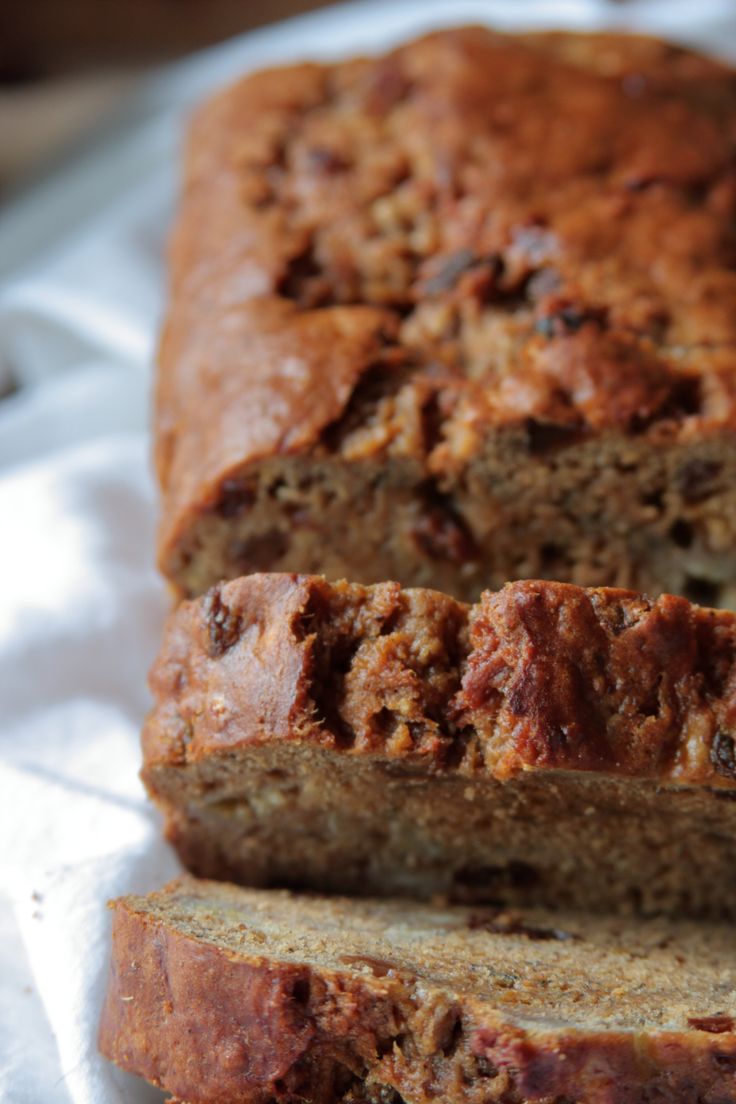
x=211 y=1021
x=603 y=680
x=172 y=1006
x=537 y=676
x=399 y=261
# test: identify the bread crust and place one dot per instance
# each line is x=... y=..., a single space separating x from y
x=544 y=675
x=448 y=277
x=210 y=1025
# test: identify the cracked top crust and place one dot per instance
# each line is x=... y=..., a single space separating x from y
x=473 y=231
x=537 y=676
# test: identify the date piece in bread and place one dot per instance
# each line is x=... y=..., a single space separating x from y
x=549 y=745
x=458 y=315
x=230 y=996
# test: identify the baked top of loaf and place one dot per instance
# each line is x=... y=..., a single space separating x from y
x=220 y=994
x=477 y=230
x=537 y=676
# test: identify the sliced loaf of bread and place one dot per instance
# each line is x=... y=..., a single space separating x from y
x=455 y=315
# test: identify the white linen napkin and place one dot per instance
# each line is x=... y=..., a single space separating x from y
x=81 y=606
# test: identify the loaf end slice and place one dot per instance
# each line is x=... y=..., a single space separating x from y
x=221 y=995
x=549 y=745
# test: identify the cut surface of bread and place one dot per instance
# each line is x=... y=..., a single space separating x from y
x=549 y=745
x=222 y=995
x=457 y=315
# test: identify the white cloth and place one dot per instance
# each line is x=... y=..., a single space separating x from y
x=80 y=604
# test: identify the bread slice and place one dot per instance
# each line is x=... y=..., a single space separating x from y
x=549 y=745
x=222 y=995
x=457 y=315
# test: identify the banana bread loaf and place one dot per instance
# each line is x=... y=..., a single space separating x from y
x=550 y=745
x=227 y=996
x=458 y=315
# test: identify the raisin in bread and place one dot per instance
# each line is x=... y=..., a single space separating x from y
x=222 y=995
x=458 y=315
x=549 y=745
